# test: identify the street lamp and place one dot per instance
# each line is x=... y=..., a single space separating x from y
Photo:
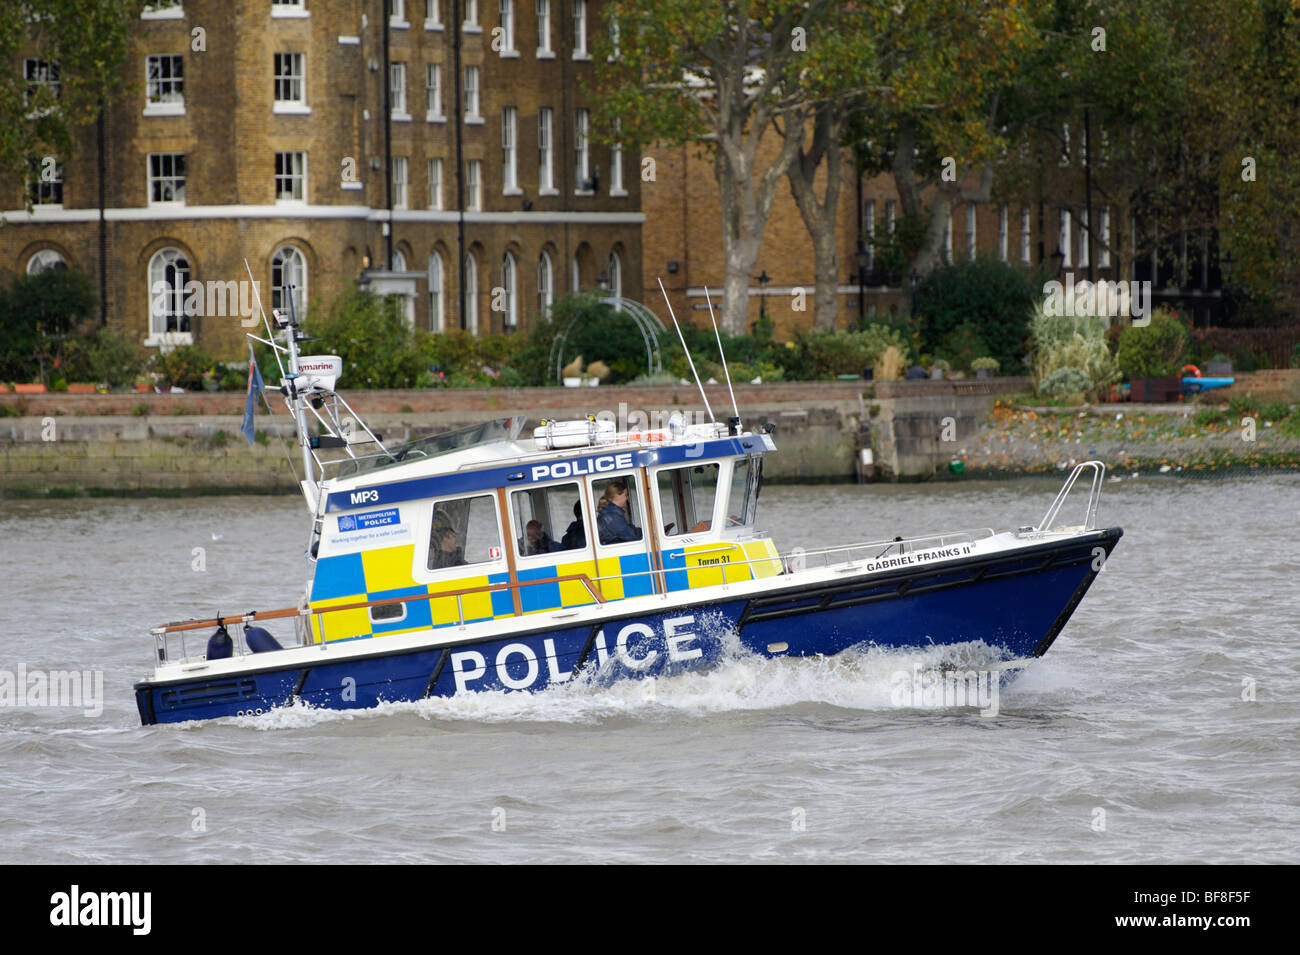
x=1226 y=266
x=762 y=280
x=1059 y=258
x=602 y=280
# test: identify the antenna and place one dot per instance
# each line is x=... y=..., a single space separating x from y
x=725 y=371
x=269 y=334
x=687 y=350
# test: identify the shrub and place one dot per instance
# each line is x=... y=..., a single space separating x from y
x=601 y=333
x=1065 y=381
x=984 y=364
x=1156 y=349
x=1274 y=411
x=994 y=299
x=824 y=354
x=103 y=356
x=962 y=346
x=36 y=313
x=378 y=348
x=1078 y=342
x=183 y=367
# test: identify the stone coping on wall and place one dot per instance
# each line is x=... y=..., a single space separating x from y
x=553 y=400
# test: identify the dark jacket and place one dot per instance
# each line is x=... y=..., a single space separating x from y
x=613 y=525
x=575 y=537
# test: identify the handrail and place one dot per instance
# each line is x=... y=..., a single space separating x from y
x=254 y=615
x=1094 y=496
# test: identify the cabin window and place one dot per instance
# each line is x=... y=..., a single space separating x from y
x=686 y=497
x=387 y=613
x=548 y=519
x=742 y=500
x=464 y=531
x=617 y=524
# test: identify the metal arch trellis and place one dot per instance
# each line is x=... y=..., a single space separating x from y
x=646 y=321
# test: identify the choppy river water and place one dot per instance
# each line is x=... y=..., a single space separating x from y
x=1135 y=739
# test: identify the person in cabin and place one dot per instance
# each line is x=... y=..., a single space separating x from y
x=447 y=551
x=575 y=537
x=536 y=540
x=611 y=516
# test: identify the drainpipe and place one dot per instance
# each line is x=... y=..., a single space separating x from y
x=388 y=142
x=459 y=123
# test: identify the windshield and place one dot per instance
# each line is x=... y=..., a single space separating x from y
x=501 y=429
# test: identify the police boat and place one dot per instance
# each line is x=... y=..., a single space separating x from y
x=487 y=559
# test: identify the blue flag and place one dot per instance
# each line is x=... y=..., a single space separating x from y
x=255 y=387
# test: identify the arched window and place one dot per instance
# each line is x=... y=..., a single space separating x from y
x=399 y=261
x=169 y=271
x=545 y=284
x=510 y=284
x=437 y=302
x=289 y=272
x=44 y=260
x=574 y=276
x=406 y=302
x=615 y=276
x=470 y=294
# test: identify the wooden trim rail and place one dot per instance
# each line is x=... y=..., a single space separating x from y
x=254 y=615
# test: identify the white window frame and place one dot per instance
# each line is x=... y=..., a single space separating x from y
x=291 y=264
x=474 y=185
x=1103 y=248
x=40 y=73
x=615 y=276
x=289 y=9
x=510 y=151
x=433 y=93
x=400 y=182
x=437 y=292
x=506 y=10
x=970 y=231
x=472 y=91
x=44 y=260
x=616 y=163
x=397 y=15
x=38 y=189
x=433 y=15
x=435 y=183
x=544 y=49
x=155 y=272
x=1026 y=255
x=947 y=240
x=156 y=102
x=582 y=151
x=579 y=12
x=469 y=294
x=1003 y=225
x=163 y=10
x=471 y=24
x=546 y=152
x=397 y=92
x=1083 y=239
x=545 y=283
x=1064 y=239
x=510 y=284
x=294 y=80
x=158 y=177
x=293 y=175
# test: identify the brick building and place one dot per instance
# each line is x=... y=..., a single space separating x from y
x=1043 y=228
x=262 y=129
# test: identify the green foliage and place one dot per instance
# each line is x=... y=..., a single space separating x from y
x=992 y=299
x=103 y=357
x=1064 y=382
x=1069 y=341
x=1207 y=417
x=183 y=367
x=1274 y=410
x=962 y=346
x=37 y=314
x=1156 y=349
x=825 y=354
x=984 y=364
x=599 y=333
x=91 y=40
x=378 y=348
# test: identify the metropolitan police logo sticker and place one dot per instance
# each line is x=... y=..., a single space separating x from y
x=370 y=520
x=347 y=523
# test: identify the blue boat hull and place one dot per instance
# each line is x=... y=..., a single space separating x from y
x=1015 y=602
